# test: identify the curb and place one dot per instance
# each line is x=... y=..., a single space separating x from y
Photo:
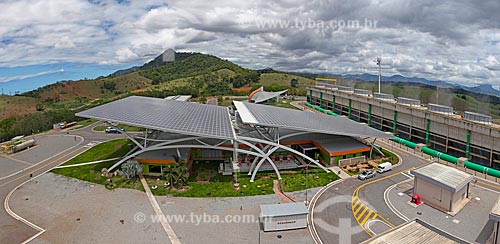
x=16 y=216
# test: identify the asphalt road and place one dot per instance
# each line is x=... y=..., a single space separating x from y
x=339 y=212
x=54 y=152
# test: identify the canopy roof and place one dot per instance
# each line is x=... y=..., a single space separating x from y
x=263 y=96
x=270 y=116
x=214 y=121
x=166 y=115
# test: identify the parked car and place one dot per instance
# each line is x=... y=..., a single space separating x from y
x=113 y=130
x=384 y=167
x=366 y=175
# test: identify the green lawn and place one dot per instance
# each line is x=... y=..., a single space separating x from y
x=206 y=182
x=105 y=150
x=284 y=103
x=92 y=173
x=84 y=123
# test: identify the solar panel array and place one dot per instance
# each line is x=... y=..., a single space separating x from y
x=306 y=121
x=166 y=115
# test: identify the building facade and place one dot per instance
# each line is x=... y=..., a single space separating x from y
x=445 y=132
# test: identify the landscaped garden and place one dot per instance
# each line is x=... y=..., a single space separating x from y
x=204 y=181
x=356 y=168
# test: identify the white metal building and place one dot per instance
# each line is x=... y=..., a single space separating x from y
x=284 y=216
x=495 y=217
x=442 y=187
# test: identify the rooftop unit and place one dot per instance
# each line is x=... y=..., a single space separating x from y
x=409 y=101
x=362 y=92
x=440 y=109
x=383 y=96
x=330 y=86
x=479 y=118
x=345 y=88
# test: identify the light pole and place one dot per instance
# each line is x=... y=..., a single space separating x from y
x=379 y=62
x=307 y=174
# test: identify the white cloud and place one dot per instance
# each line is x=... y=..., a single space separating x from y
x=449 y=40
x=21 y=77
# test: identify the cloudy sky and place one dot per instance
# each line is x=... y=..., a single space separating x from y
x=452 y=40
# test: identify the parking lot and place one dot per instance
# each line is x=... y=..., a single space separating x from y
x=47 y=147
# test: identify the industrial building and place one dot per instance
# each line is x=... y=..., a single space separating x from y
x=470 y=135
x=442 y=187
x=256 y=137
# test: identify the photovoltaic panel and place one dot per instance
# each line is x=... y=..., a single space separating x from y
x=271 y=116
x=166 y=115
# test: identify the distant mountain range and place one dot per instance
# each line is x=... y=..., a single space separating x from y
x=483 y=88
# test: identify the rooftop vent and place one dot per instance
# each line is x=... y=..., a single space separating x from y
x=345 y=88
x=440 y=108
x=408 y=101
x=383 y=96
x=362 y=92
x=479 y=118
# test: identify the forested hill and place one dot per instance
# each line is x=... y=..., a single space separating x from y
x=195 y=65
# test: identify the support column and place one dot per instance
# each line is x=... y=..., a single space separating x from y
x=427 y=128
x=349 y=109
x=321 y=99
x=369 y=114
x=491 y=154
x=467 y=145
x=394 y=122
x=310 y=96
x=333 y=103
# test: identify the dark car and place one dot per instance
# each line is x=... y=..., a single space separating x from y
x=113 y=130
x=366 y=175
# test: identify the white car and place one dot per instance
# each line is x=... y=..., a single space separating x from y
x=366 y=175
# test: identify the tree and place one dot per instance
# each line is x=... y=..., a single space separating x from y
x=176 y=173
x=294 y=83
x=131 y=169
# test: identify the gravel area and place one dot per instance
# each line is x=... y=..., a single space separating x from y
x=74 y=211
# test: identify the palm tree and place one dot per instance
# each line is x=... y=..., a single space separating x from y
x=176 y=173
x=168 y=173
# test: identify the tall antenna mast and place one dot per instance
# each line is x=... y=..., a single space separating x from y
x=379 y=62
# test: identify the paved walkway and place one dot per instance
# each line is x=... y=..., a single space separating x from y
x=166 y=226
x=280 y=195
x=336 y=170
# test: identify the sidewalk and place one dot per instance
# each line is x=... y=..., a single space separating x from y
x=336 y=170
x=280 y=195
x=166 y=226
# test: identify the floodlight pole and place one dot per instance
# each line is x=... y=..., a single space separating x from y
x=307 y=174
x=379 y=61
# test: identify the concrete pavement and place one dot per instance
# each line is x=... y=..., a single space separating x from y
x=49 y=154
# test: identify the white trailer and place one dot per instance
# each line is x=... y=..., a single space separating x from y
x=284 y=216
